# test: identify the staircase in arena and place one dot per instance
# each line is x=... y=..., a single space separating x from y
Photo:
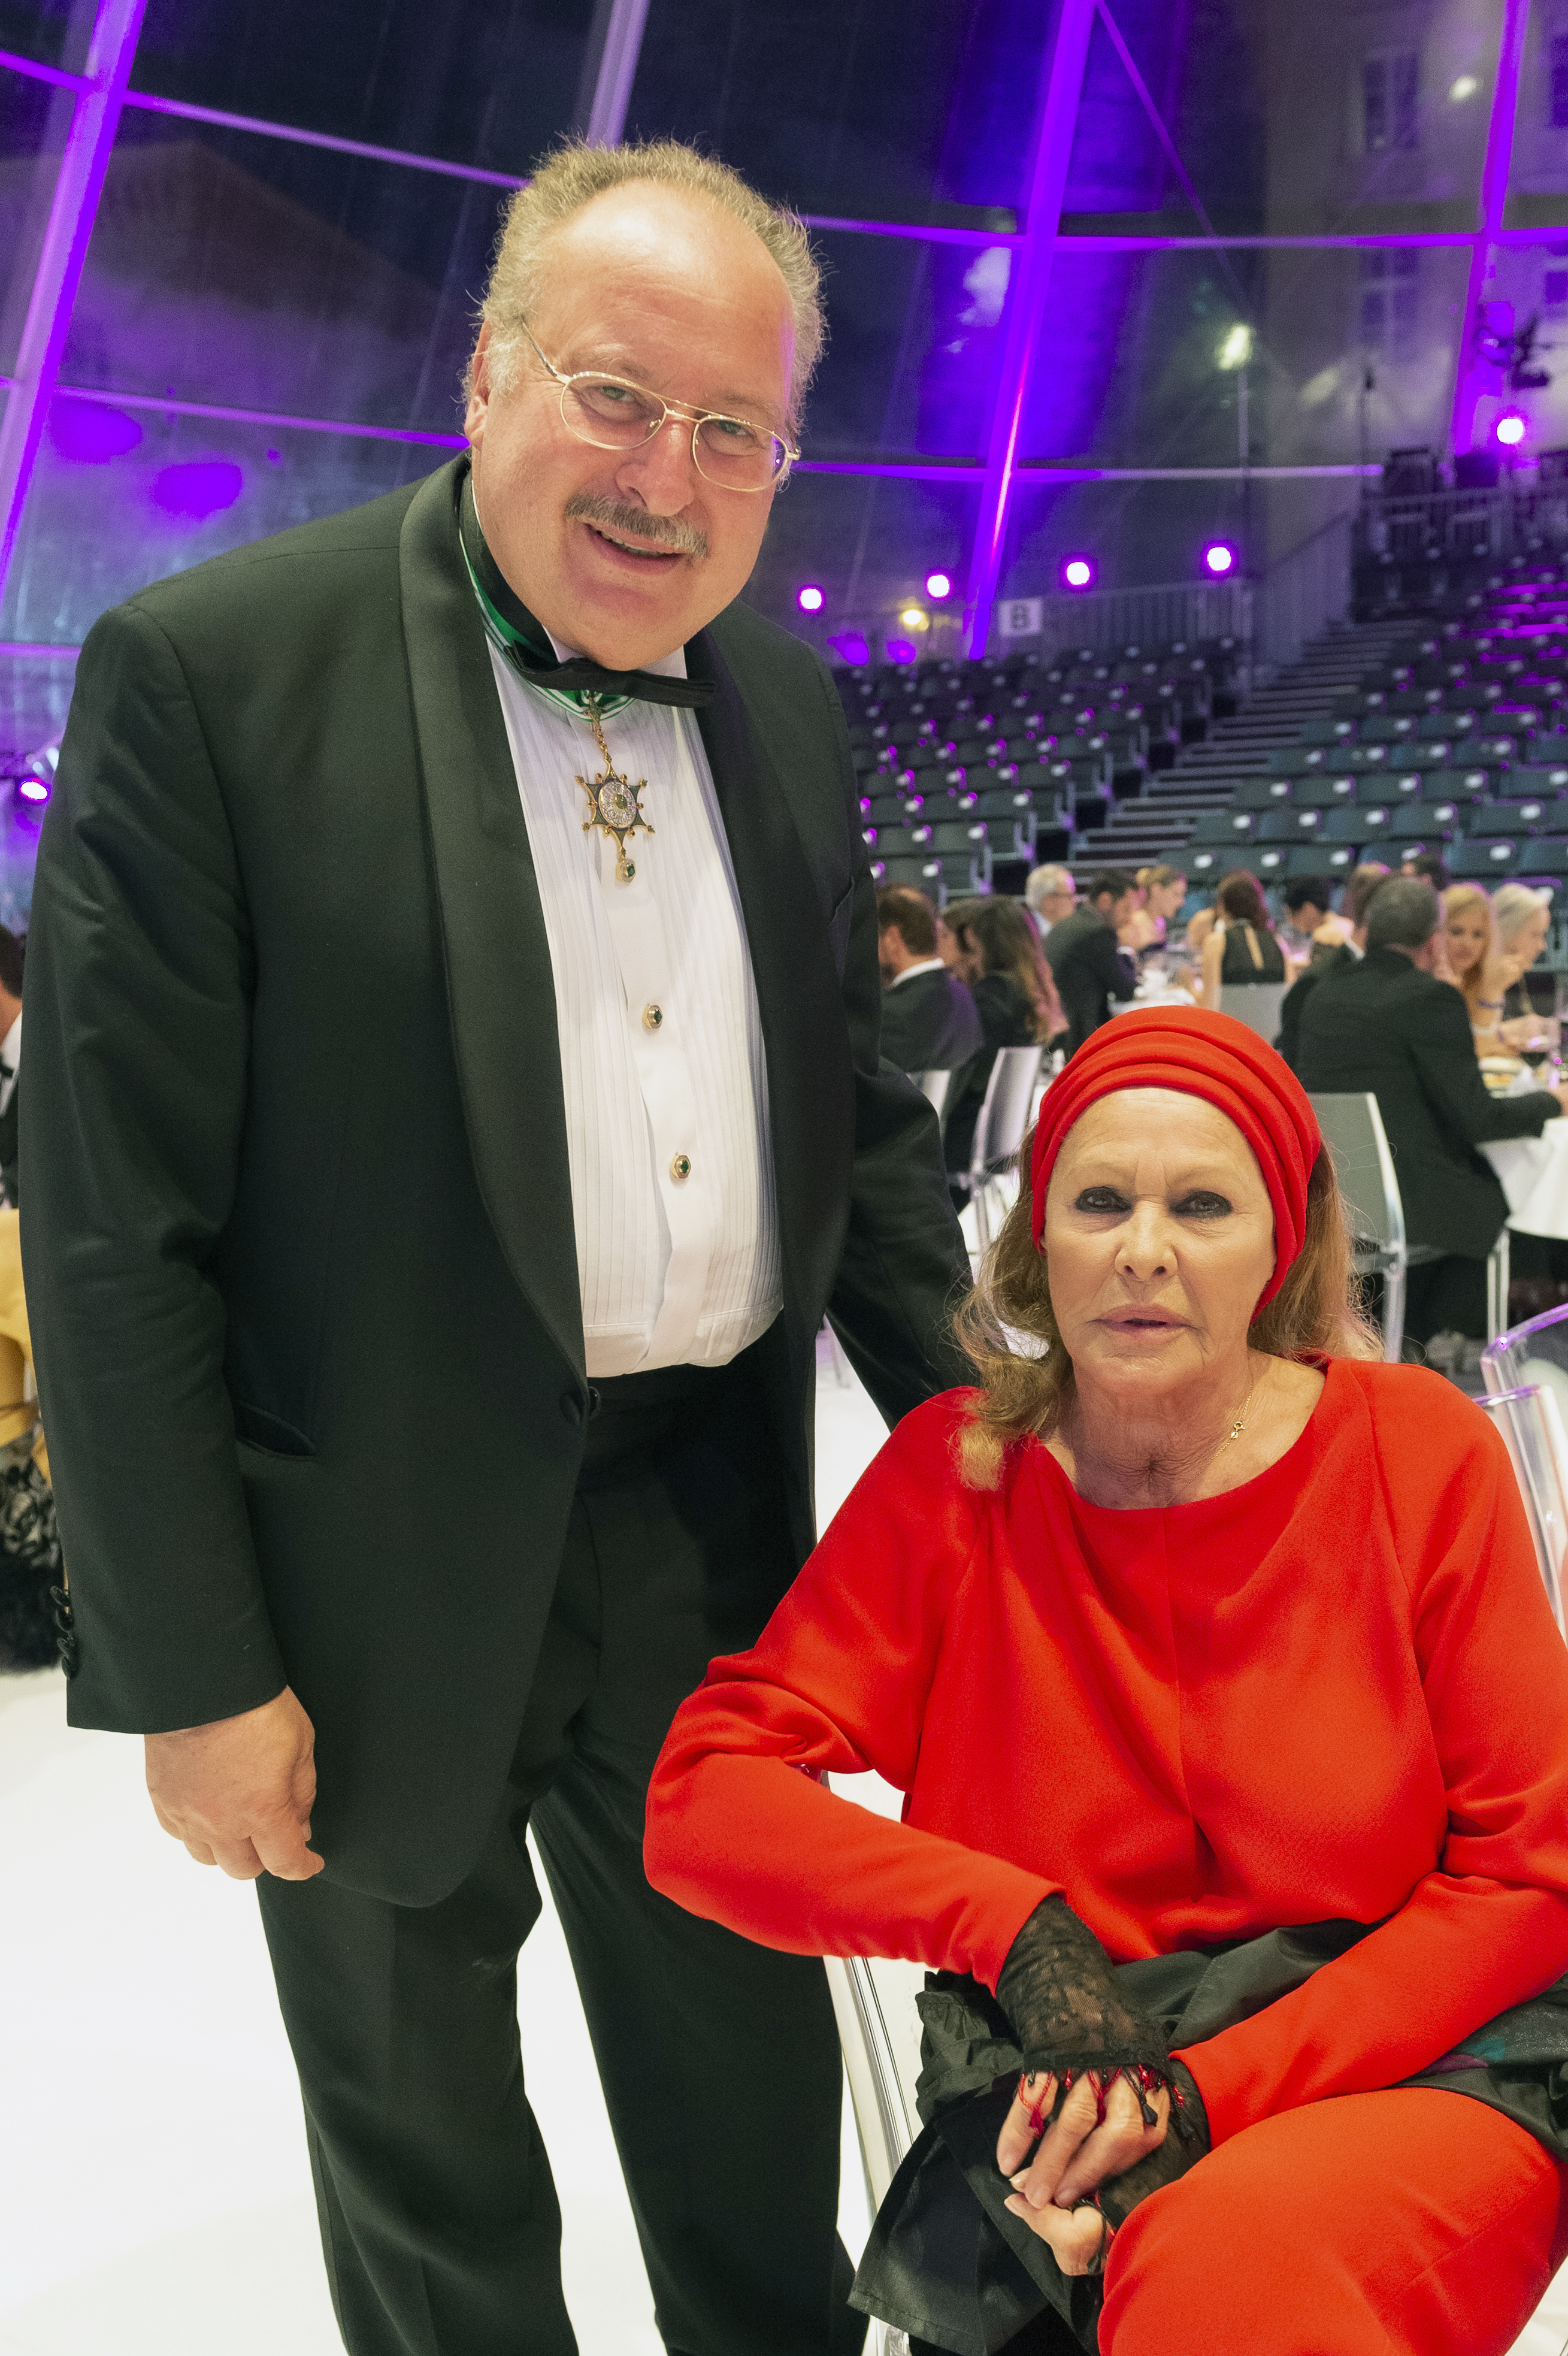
x=1151 y=826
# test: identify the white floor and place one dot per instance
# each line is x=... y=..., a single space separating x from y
x=154 y=2198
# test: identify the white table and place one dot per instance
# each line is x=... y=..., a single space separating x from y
x=1534 y=1175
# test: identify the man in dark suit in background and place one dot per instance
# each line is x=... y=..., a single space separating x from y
x=438 y=1188
x=1082 y=953
x=1387 y=1026
x=1337 y=956
x=13 y=951
x=930 y=1022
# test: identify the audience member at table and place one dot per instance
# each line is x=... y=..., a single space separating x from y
x=1309 y=919
x=1147 y=927
x=1386 y=1025
x=1359 y=893
x=1430 y=864
x=1244 y=950
x=1082 y=952
x=928 y=1019
x=1475 y=963
x=1050 y=895
x=1014 y=998
x=30 y=1562
x=1211 y=1659
x=13 y=957
x=1524 y=921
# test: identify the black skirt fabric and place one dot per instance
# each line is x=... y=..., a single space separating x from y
x=949 y=2264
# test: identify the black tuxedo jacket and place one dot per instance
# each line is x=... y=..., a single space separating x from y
x=300 y=1248
x=1089 y=972
x=1378 y=1024
x=930 y=1024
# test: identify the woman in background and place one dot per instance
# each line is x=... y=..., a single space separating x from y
x=1524 y=920
x=997 y=951
x=1477 y=965
x=1242 y=947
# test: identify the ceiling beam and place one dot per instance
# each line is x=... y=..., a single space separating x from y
x=1061 y=84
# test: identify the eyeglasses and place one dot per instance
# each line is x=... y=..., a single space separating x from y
x=613 y=415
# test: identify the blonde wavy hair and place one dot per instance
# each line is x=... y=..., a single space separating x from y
x=572 y=175
x=1027 y=1392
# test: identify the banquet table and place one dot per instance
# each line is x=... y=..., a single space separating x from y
x=1534 y=1175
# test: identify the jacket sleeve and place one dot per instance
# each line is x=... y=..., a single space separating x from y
x=139 y=978
x=1488 y=1928
x=740 y=1827
x=1110 y=968
x=1444 y=1057
x=904 y=1267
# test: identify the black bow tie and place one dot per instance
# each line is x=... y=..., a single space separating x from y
x=531 y=654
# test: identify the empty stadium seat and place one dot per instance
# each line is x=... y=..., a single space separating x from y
x=1490 y=857
x=1424 y=822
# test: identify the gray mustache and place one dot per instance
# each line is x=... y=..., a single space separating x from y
x=634 y=523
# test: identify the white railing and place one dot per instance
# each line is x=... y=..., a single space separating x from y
x=1172 y=611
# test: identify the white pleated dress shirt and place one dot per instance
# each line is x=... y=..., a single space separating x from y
x=661 y=1045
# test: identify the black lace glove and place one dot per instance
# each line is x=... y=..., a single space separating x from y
x=1059 y=1991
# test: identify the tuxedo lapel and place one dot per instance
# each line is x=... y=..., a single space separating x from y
x=499 y=979
x=806 y=1040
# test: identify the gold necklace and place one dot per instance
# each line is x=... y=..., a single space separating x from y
x=1240 y=1423
x=613 y=805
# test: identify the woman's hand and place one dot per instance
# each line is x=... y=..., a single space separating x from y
x=1077 y=2152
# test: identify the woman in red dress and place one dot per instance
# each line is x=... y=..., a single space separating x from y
x=1213 y=1661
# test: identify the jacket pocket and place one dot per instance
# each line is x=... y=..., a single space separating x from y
x=255 y=1427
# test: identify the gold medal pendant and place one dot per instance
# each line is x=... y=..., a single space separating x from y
x=613 y=805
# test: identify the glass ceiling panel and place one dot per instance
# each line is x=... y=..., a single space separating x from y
x=913 y=332
x=56 y=32
x=240 y=270
x=1539 y=181
x=1141 y=356
x=99 y=527
x=480 y=81
x=34 y=120
x=1391 y=138
x=918 y=111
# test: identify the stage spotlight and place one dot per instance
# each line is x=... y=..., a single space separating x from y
x=33 y=789
x=1509 y=429
x=937 y=585
x=1078 y=573
x=915 y=617
x=810 y=599
x=1219 y=558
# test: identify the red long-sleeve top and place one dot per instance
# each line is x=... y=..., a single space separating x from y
x=1335 y=1692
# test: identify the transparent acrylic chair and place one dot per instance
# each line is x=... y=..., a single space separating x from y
x=1526 y=1373
x=1000 y=1127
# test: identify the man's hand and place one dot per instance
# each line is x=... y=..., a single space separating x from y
x=240 y=1793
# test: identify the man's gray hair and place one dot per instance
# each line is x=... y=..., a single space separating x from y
x=572 y=175
x=1404 y=913
x=1048 y=883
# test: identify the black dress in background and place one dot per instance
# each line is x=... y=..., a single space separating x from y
x=1236 y=967
x=1006 y=1020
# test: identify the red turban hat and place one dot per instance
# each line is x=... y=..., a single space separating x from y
x=1199 y=1055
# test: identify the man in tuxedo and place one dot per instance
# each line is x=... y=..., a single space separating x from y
x=1382 y=1024
x=1082 y=953
x=12 y=949
x=454 y=966
x=930 y=1022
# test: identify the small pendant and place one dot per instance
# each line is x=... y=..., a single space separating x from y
x=614 y=807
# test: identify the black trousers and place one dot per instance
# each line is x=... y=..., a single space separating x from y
x=1445 y=1296
x=719 y=2059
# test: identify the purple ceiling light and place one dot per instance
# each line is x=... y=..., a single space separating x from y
x=78 y=184
x=1495 y=173
x=1050 y=148
x=1078 y=573
x=809 y=599
x=1219 y=559
x=938 y=585
x=89 y=433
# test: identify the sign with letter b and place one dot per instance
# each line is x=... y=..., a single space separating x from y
x=1021 y=617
